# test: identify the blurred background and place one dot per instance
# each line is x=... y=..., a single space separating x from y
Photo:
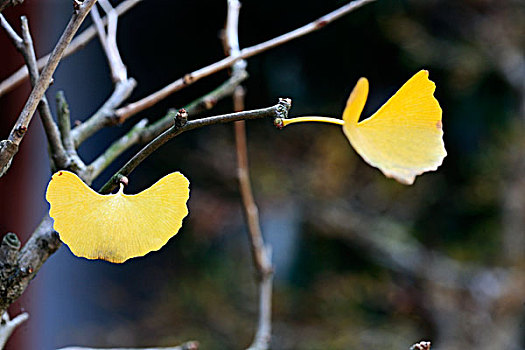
x=361 y=261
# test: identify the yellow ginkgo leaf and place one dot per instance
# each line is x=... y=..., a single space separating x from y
x=404 y=138
x=116 y=227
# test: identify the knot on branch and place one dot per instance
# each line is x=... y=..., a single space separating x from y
x=21 y=130
x=181 y=118
x=76 y=5
x=188 y=79
x=8 y=150
x=9 y=249
x=284 y=106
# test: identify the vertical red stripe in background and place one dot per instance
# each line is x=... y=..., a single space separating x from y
x=16 y=199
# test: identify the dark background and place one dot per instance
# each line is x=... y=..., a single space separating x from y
x=344 y=237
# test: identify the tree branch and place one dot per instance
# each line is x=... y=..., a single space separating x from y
x=14 y=277
x=57 y=150
x=391 y=245
x=41 y=85
x=105 y=116
x=109 y=40
x=182 y=125
x=261 y=253
x=64 y=121
x=25 y=46
x=133 y=108
x=76 y=44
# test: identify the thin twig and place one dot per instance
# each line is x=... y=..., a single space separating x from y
x=138 y=106
x=261 y=253
x=191 y=345
x=181 y=125
x=57 y=150
x=64 y=121
x=17 y=40
x=105 y=116
x=7 y=326
x=25 y=46
x=76 y=44
x=109 y=40
x=41 y=85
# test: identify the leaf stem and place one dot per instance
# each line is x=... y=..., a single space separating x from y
x=285 y=122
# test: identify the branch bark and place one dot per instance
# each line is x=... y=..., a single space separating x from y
x=57 y=151
x=109 y=40
x=15 y=277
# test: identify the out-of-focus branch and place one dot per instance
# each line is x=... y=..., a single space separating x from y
x=182 y=124
x=133 y=108
x=391 y=245
x=7 y=326
x=6 y=3
x=109 y=40
x=261 y=253
x=191 y=345
x=41 y=85
x=76 y=44
x=124 y=86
